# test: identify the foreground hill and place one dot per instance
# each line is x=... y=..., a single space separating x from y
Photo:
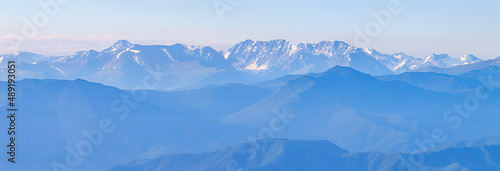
x=283 y=154
x=54 y=114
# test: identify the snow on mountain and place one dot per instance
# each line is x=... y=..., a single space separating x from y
x=261 y=55
x=401 y=62
x=437 y=60
x=275 y=58
x=183 y=65
x=398 y=63
x=468 y=59
x=81 y=56
x=124 y=64
x=388 y=60
x=279 y=57
x=460 y=69
x=445 y=61
x=25 y=57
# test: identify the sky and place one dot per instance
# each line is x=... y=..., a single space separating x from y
x=416 y=27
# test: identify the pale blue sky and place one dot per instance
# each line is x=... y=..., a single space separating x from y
x=454 y=27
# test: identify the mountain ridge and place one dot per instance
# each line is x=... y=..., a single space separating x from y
x=125 y=63
x=284 y=154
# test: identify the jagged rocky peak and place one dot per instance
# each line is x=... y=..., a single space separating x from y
x=437 y=56
x=333 y=44
x=402 y=56
x=469 y=58
x=122 y=44
x=273 y=47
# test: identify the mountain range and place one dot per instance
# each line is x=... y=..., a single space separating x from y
x=323 y=106
x=336 y=105
x=283 y=154
x=124 y=64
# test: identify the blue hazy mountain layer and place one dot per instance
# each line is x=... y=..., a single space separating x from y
x=182 y=67
x=283 y=154
x=350 y=108
x=457 y=70
x=353 y=110
x=53 y=114
x=436 y=82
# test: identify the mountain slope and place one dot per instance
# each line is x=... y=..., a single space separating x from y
x=356 y=111
x=163 y=123
x=272 y=59
x=282 y=154
x=400 y=62
x=490 y=73
x=125 y=64
x=350 y=108
x=457 y=70
x=435 y=82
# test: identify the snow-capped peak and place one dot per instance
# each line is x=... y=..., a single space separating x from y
x=122 y=44
x=436 y=56
x=468 y=58
x=402 y=56
x=372 y=52
x=445 y=61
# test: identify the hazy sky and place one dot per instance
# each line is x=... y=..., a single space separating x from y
x=454 y=27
